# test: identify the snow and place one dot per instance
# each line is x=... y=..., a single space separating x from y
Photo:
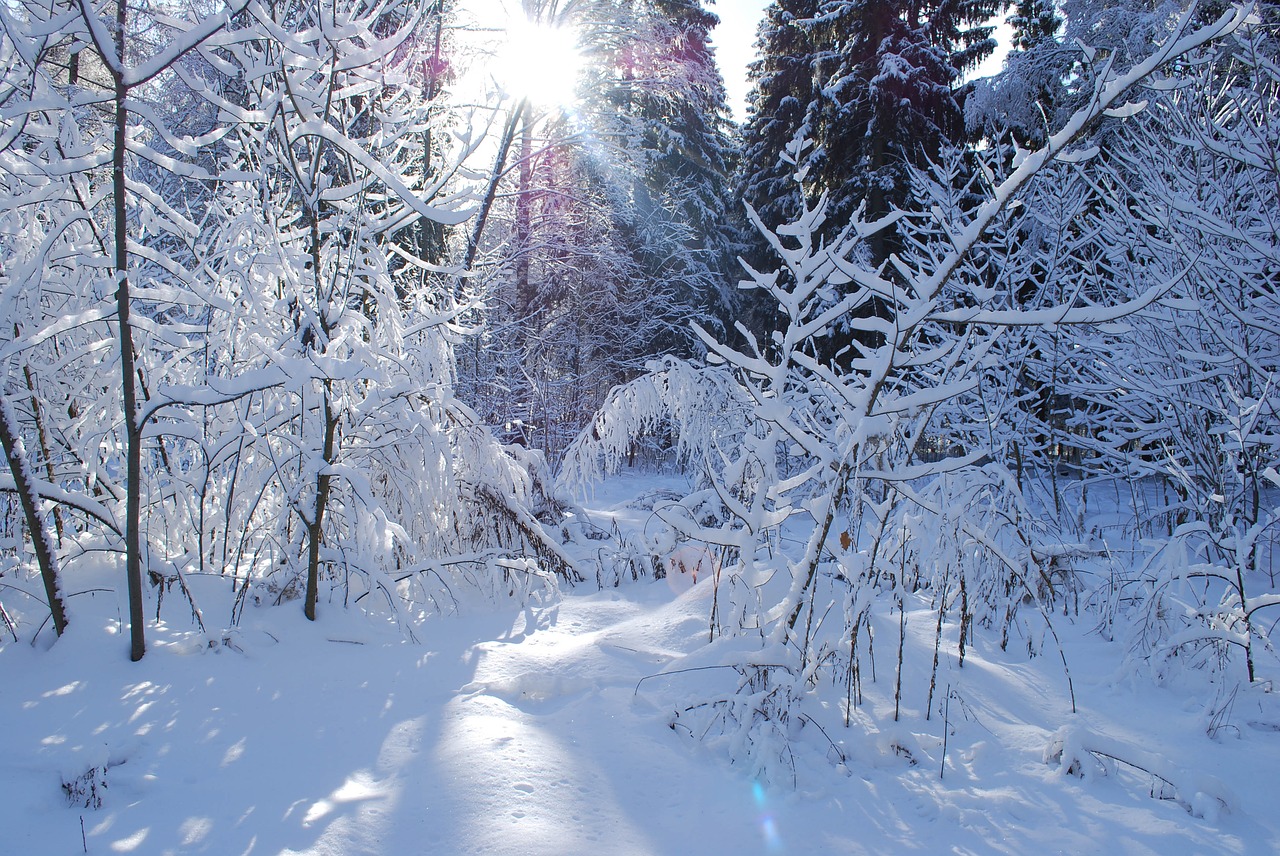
x=559 y=728
x=714 y=708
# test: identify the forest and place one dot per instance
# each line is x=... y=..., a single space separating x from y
x=346 y=309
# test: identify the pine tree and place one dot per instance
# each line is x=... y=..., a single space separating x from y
x=781 y=108
x=1034 y=22
x=873 y=84
x=672 y=111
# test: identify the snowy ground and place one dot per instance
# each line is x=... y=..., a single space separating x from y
x=543 y=730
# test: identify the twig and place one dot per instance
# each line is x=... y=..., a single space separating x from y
x=946 y=728
x=679 y=672
x=816 y=724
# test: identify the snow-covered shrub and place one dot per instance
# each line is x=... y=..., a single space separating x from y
x=618 y=557
x=1178 y=404
x=86 y=790
x=814 y=498
x=835 y=523
x=1207 y=598
x=755 y=721
x=84 y=779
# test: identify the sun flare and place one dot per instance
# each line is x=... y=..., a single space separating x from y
x=539 y=63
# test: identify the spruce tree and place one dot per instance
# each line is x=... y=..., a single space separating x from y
x=676 y=111
x=1034 y=22
x=781 y=107
x=874 y=85
x=891 y=99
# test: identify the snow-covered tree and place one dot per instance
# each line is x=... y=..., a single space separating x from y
x=361 y=472
x=256 y=199
x=873 y=85
x=780 y=107
x=608 y=229
x=833 y=447
x=1181 y=398
x=84 y=169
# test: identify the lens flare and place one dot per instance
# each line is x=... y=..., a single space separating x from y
x=768 y=826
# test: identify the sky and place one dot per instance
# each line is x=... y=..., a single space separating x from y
x=734 y=41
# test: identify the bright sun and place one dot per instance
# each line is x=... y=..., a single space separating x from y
x=539 y=63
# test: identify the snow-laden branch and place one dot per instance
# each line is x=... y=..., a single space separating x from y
x=350 y=148
x=702 y=406
x=1080 y=752
x=1050 y=316
x=1108 y=92
x=102 y=312
x=78 y=501
x=187 y=41
x=214 y=391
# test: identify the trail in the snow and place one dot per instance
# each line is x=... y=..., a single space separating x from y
x=545 y=747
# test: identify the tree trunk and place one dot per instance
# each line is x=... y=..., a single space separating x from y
x=525 y=297
x=128 y=370
x=46 y=556
x=316 y=524
x=491 y=191
x=42 y=435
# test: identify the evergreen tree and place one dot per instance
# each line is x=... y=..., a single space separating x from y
x=669 y=110
x=781 y=109
x=874 y=85
x=1034 y=22
x=1033 y=81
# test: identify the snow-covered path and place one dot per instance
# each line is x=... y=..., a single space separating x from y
x=494 y=736
x=538 y=749
x=547 y=748
x=552 y=749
